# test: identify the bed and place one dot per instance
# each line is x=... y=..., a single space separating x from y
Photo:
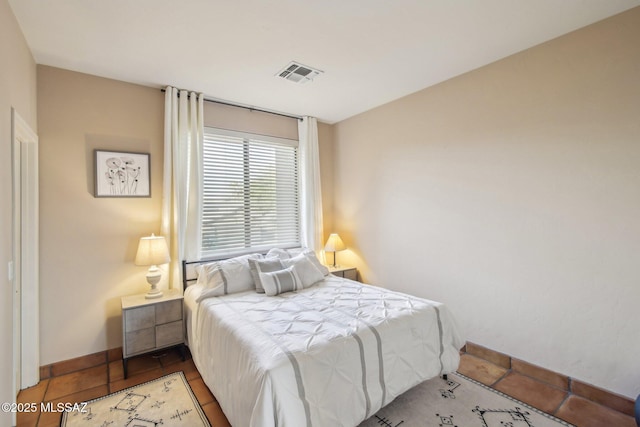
x=330 y=354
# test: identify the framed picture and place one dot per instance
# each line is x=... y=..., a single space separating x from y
x=122 y=174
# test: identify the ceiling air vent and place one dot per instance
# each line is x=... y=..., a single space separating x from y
x=298 y=73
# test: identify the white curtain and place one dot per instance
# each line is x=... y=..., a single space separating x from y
x=311 y=192
x=182 y=187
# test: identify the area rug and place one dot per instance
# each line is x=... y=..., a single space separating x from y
x=166 y=401
x=459 y=402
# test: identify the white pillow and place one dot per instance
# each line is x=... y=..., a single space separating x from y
x=266 y=265
x=314 y=259
x=278 y=253
x=281 y=281
x=228 y=276
x=304 y=268
x=208 y=275
x=295 y=251
x=285 y=254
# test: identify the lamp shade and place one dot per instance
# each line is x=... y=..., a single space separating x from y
x=152 y=250
x=334 y=243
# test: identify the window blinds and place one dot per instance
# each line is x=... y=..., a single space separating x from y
x=250 y=193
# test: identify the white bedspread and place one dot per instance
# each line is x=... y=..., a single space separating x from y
x=330 y=355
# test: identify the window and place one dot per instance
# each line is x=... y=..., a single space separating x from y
x=250 y=193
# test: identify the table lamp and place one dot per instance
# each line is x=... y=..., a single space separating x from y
x=334 y=244
x=153 y=251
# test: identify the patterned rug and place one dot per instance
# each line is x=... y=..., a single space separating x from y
x=459 y=402
x=166 y=401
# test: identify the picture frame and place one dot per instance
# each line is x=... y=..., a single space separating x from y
x=122 y=174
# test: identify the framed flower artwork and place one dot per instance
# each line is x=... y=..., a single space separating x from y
x=122 y=174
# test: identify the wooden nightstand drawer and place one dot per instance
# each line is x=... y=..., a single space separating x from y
x=140 y=340
x=169 y=334
x=140 y=318
x=351 y=274
x=151 y=324
x=169 y=311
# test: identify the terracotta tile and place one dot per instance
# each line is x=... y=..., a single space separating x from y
x=215 y=415
x=187 y=367
x=142 y=363
x=114 y=354
x=499 y=359
x=480 y=370
x=28 y=419
x=45 y=372
x=603 y=397
x=135 y=380
x=201 y=391
x=83 y=396
x=584 y=413
x=541 y=374
x=76 y=381
x=116 y=371
x=50 y=419
x=528 y=390
x=541 y=388
x=79 y=363
x=33 y=394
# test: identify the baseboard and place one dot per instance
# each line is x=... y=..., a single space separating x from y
x=83 y=362
x=563 y=382
x=579 y=388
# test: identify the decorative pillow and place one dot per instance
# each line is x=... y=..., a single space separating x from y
x=281 y=281
x=296 y=251
x=314 y=259
x=303 y=266
x=228 y=276
x=266 y=265
x=278 y=253
x=209 y=274
x=285 y=254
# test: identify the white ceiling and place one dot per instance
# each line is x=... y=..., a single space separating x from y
x=371 y=51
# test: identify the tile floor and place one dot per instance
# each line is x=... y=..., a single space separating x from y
x=89 y=383
x=542 y=395
x=92 y=382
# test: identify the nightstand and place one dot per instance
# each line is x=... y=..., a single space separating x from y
x=151 y=324
x=344 y=271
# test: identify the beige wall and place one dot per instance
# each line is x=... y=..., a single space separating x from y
x=88 y=244
x=240 y=119
x=511 y=193
x=17 y=90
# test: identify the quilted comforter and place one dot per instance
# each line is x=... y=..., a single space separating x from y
x=329 y=355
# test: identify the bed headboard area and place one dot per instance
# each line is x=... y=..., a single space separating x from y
x=189 y=274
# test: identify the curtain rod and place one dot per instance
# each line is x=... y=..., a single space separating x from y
x=215 y=101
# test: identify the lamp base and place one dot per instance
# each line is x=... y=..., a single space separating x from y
x=153 y=277
x=153 y=293
x=335 y=265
